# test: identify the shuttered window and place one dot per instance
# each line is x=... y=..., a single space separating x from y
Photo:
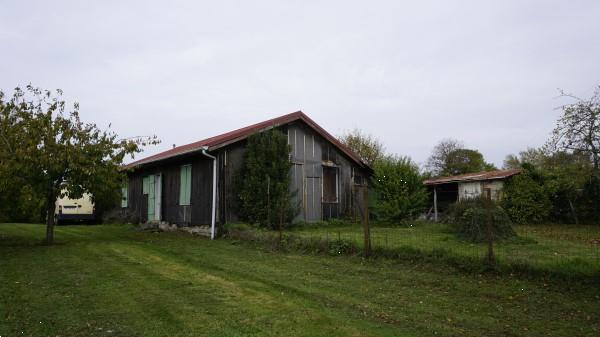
x=124 y=194
x=185 y=185
x=330 y=184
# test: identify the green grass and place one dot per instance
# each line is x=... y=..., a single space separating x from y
x=117 y=281
x=553 y=248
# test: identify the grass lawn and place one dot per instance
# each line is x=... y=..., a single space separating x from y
x=570 y=249
x=116 y=281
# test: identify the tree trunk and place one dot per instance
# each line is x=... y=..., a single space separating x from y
x=280 y=225
x=573 y=211
x=50 y=208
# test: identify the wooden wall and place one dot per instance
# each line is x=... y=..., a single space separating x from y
x=199 y=210
x=309 y=152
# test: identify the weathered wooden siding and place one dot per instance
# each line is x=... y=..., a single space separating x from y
x=306 y=173
x=309 y=153
x=199 y=210
x=231 y=159
x=201 y=197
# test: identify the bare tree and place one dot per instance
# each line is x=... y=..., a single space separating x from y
x=578 y=129
x=365 y=145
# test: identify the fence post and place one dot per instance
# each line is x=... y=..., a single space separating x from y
x=491 y=259
x=367 y=233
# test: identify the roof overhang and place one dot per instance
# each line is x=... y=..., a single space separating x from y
x=473 y=177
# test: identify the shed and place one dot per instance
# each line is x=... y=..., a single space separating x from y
x=192 y=185
x=447 y=190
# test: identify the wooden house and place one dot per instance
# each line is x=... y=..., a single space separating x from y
x=192 y=185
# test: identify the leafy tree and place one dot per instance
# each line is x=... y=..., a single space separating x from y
x=533 y=156
x=366 y=146
x=565 y=177
x=462 y=161
x=511 y=161
x=400 y=194
x=53 y=153
x=565 y=174
x=20 y=203
x=264 y=189
x=591 y=198
x=436 y=164
x=450 y=157
x=525 y=198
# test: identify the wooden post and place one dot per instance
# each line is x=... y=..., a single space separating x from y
x=491 y=258
x=435 y=208
x=367 y=234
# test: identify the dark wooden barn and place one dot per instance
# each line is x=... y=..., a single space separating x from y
x=176 y=186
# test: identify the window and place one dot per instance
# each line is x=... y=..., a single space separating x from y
x=358 y=178
x=185 y=185
x=330 y=184
x=487 y=193
x=124 y=190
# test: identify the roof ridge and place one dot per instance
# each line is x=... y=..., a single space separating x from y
x=243 y=132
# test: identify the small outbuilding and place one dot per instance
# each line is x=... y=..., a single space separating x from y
x=448 y=190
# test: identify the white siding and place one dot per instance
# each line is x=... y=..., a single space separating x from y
x=469 y=190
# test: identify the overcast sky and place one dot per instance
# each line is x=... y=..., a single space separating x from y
x=408 y=72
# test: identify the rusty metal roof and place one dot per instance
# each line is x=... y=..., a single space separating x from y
x=479 y=176
x=219 y=141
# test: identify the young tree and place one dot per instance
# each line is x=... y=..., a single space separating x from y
x=366 y=146
x=436 y=164
x=399 y=191
x=54 y=153
x=264 y=189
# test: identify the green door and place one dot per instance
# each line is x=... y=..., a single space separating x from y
x=151 y=198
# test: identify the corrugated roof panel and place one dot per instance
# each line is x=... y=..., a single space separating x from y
x=479 y=176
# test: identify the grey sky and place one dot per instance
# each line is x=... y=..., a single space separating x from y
x=409 y=72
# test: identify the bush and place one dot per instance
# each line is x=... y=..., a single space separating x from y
x=526 y=199
x=398 y=188
x=342 y=247
x=469 y=220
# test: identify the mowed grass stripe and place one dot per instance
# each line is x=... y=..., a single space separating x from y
x=134 y=283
